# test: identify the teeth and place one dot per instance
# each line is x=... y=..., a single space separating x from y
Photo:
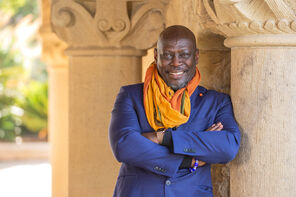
x=178 y=73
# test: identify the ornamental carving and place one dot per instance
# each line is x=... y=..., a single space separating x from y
x=248 y=17
x=52 y=47
x=113 y=23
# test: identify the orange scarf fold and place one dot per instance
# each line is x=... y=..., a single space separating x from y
x=165 y=108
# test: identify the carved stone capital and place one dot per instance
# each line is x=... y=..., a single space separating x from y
x=109 y=23
x=256 y=23
x=52 y=47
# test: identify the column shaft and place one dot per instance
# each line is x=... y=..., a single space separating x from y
x=94 y=83
x=58 y=127
x=105 y=45
x=263 y=91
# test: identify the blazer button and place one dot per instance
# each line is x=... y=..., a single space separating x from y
x=168 y=182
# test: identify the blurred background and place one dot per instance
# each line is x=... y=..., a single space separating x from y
x=24 y=166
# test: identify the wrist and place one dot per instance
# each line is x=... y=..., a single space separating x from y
x=192 y=162
x=195 y=165
x=159 y=136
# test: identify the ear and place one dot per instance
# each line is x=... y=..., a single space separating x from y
x=196 y=55
x=155 y=55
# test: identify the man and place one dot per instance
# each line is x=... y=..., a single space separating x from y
x=169 y=130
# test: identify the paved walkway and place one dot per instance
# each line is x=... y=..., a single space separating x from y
x=25 y=179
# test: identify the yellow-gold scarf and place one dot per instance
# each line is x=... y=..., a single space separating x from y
x=165 y=108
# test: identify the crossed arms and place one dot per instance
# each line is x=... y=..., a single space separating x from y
x=217 y=145
x=158 y=138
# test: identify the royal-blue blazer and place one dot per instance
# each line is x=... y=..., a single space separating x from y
x=152 y=170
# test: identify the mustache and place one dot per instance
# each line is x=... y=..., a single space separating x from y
x=174 y=69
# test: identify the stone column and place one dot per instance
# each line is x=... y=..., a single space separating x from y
x=57 y=67
x=107 y=40
x=262 y=38
x=263 y=89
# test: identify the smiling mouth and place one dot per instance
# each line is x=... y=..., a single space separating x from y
x=176 y=75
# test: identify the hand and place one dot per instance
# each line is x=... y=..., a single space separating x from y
x=156 y=137
x=216 y=127
x=200 y=163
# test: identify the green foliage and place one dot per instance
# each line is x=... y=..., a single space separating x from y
x=9 y=77
x=10 y=71
x=35 y=107
x=23 y=109
x=19 y=8
x=7 y=127
x=9 y=58
x=11 y=5
x=20 y=111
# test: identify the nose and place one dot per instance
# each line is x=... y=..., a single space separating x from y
x=176 y=60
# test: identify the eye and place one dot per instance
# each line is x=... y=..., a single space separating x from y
x=167 y=55
x=184 y=55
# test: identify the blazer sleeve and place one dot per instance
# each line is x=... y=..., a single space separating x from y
x=211 y=146
x=129 y=146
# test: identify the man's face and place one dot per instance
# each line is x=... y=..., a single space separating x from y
x=176 y=60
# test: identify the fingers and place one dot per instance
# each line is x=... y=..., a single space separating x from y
x=216 y=127
x=219 y=126
x=211 y=128
x=201 y=163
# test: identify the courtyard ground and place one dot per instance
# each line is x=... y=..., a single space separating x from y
x=25 y=178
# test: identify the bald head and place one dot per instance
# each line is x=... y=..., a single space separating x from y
x=176 y=56
x=177 y=32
